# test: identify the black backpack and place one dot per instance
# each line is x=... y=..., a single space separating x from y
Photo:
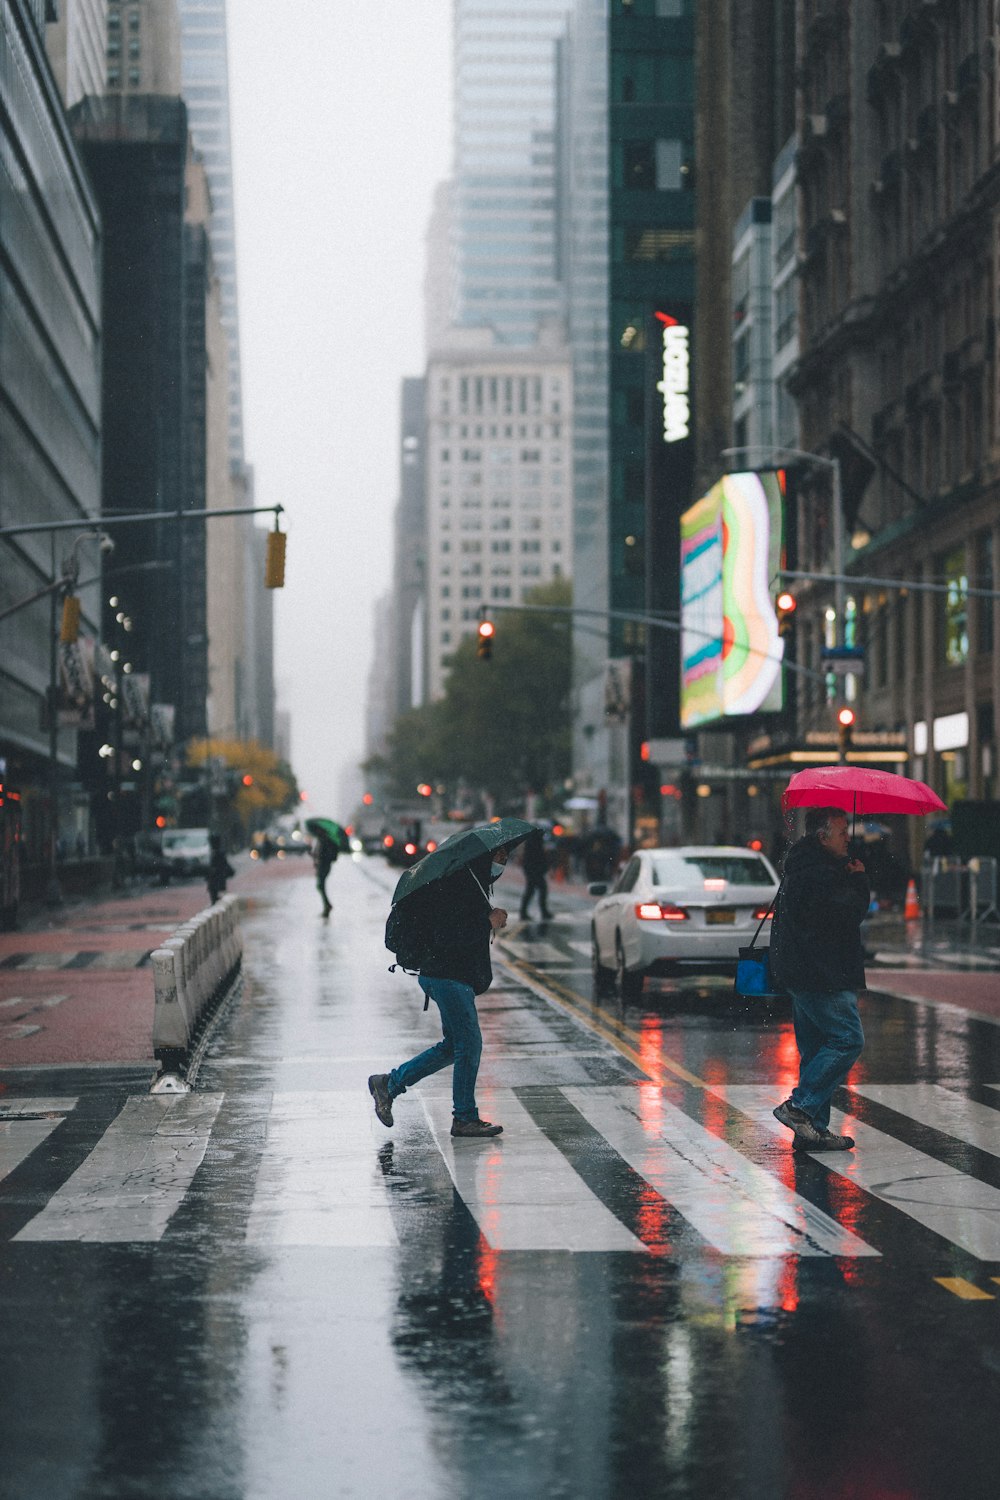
x=408 y=931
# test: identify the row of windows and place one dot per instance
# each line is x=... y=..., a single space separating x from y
x=115 y=20
x=473 y=548
x=508 y=432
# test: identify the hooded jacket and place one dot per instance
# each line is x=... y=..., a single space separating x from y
x=816 y=930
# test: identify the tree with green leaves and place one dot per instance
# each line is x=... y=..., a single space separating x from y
x=503 y=726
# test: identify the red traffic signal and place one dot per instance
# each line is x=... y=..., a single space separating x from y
x=784 y=607
x=484 y=645
x=248 y=779
x=845 y=730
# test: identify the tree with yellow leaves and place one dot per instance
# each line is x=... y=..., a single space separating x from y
x=264 y=784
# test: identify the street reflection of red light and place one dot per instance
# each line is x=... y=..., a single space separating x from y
x=715 y=1074
x=788 y=1285
x=787 y=1059
x=487 y=1269
x=652 y=1221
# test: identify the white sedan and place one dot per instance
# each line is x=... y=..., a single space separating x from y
x=693 y=905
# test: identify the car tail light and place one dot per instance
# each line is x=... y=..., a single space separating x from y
x=431 y=846
x=410 y=848
x=761 y=913
x=660 y=911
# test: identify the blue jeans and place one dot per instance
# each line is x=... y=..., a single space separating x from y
x=462 y=1044
x=829 y=1037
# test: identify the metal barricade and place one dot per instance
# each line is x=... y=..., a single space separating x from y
x=965 y=890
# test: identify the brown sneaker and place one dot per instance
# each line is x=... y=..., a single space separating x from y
x=378 y=1087
x=796 y=1119
x=476 y=1130
x=827 y=1142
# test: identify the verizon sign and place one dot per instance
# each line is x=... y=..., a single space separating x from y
x=674 y=384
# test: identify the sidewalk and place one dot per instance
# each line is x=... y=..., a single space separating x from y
x=75 y=982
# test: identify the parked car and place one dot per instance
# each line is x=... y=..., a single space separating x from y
x=144 y=853
x=186 y=851
x=687 y=906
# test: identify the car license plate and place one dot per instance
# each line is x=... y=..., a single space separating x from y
x=720 y=914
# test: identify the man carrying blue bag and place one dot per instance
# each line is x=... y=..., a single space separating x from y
x=817 y=955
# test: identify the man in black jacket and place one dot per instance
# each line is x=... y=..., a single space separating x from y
x=818 y=956
x=460 y=923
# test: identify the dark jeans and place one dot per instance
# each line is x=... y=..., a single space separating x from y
x=829 y=1037
x=461 y=1044
x=535 y=884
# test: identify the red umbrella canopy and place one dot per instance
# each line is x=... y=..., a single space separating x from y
x=859 y=790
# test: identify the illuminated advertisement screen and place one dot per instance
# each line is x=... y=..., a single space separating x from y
x=731 y=652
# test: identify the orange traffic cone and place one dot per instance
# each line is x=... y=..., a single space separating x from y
x=911 y=911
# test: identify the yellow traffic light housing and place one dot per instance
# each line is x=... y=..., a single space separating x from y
x=784 y=607
x=484 y=645
x=69 y=629
x=274 y=563
x=845 y=730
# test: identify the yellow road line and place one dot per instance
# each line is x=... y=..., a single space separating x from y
x=561 y=995
x=967 y=1290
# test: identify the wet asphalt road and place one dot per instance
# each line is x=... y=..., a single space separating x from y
x=257 y=1292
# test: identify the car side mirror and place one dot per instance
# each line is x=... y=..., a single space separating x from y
x=598 y=888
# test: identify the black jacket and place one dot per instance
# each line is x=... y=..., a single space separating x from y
x=816 y=932
x=457 y=918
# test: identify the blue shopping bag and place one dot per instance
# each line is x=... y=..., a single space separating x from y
x=753 y=967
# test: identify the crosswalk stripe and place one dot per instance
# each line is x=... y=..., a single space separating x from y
x=941 y=1109
x=958 y=1207
x=317 y=1183
x=521 y=1190
x=136 y=1176
x=21 y=1131
x=734 y=1204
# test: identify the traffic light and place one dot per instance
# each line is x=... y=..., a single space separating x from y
x=784 y=607
x=70 y=627
x=484 y=645
x=274 y=562
x=845 y=730
x=248 y=779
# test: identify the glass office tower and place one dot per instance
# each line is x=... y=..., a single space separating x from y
x=504 y=217
x=205 y=86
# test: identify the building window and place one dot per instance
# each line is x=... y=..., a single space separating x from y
x=984 y=580
x=114 y=20
x=956 y=609
x=133 y=49
x=134 y=77
x=133 y=20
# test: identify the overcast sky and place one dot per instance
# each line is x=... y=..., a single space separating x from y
x=341 y=126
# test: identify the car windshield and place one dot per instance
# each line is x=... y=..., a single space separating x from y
x=688 y=869
x=192 y=840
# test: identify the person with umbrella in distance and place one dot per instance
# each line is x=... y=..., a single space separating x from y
x=331 y=840
x=451 y=909
x=817 y=955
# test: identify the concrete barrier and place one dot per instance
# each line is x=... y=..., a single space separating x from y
x=193 y=972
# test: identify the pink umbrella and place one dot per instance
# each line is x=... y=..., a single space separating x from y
x=861 y=791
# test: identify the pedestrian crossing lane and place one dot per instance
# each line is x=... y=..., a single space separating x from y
x=735 y=1205
x=519 y=1187
x=137 y=1175
x=941 y=1197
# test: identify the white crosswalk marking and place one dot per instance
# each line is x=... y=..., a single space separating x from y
x=521 y=1190
x=136 y=1176
x=951 y=1113
x=959 y=1208
x=20 y=1134
x=734 y=1204
x=318 y=1183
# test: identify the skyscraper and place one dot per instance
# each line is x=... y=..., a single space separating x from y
x=205 y=86
x=504 y=204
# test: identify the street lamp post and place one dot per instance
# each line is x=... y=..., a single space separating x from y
x=833 y=464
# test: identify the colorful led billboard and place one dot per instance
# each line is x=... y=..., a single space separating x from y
x=731 y=652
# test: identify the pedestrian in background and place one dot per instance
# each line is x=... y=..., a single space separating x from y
x=325 y=854
x=219 y=868
x=817 y=955
x=535 y=863
x=460 y=921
